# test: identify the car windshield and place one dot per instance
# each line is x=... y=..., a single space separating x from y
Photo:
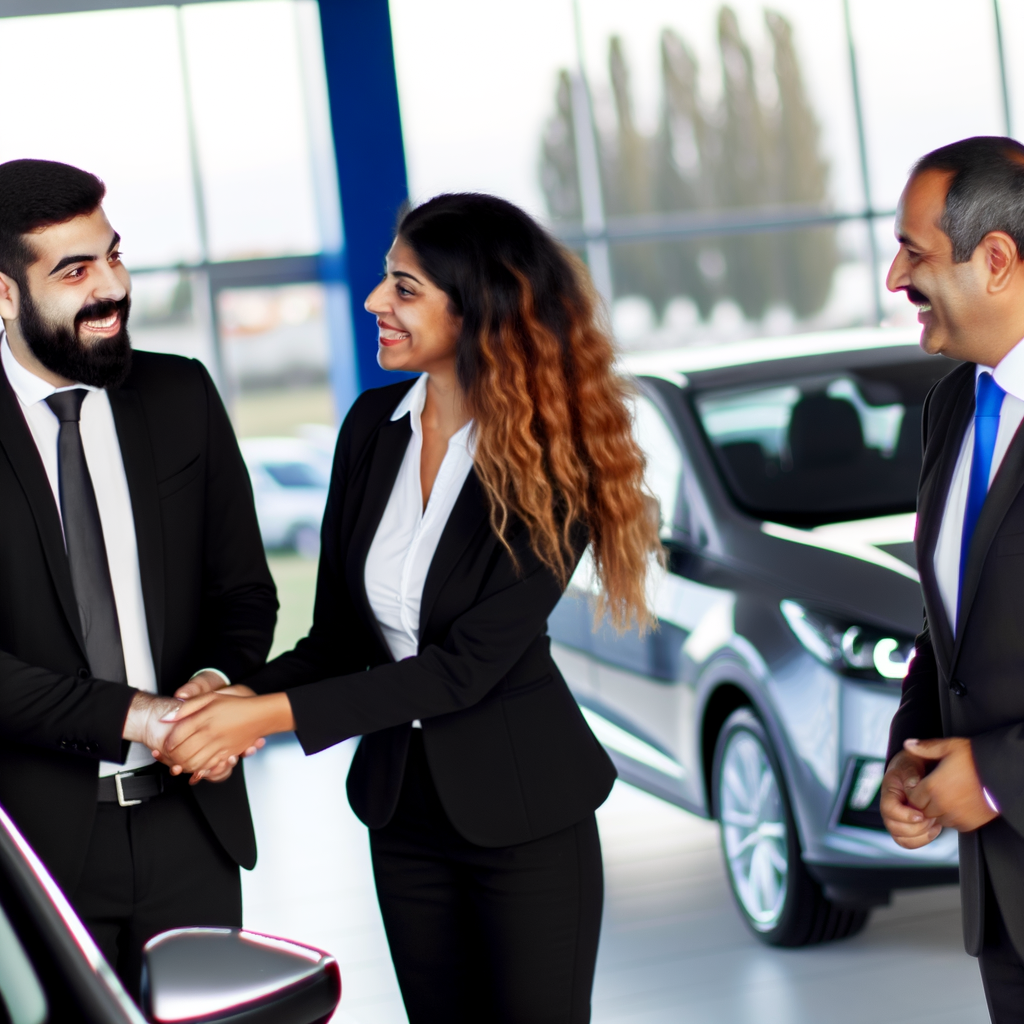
x=826 y=448
x=296 y=474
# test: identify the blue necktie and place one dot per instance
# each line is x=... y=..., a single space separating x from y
x=987 y=405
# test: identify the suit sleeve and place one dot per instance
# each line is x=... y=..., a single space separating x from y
x=999 y=760
x=482 y=646
x=919 y=716
x=239 y=596
x=330 y=649
x=46 y=709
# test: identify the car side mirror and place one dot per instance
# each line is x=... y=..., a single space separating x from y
x=231 y=974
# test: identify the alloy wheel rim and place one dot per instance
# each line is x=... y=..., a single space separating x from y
x=754 y=830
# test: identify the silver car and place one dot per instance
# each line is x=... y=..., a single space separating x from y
x=787 y=472
x=290 y=477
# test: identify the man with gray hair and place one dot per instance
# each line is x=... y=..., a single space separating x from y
x=956 y=749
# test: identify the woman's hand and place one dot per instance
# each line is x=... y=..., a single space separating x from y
x=210 y=730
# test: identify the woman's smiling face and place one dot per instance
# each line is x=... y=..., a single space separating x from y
x=417 y=330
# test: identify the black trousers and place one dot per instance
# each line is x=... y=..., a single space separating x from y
x=153 y=867
x=481 y=935
x=1002 y=970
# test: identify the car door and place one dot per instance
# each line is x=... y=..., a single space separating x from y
x=648 y=681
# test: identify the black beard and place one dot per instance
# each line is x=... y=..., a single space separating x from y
x=103 y=364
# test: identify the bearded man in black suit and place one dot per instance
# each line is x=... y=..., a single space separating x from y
x=130 y=561
x=956 y=752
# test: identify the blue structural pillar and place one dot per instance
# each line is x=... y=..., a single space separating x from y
x=367 y=126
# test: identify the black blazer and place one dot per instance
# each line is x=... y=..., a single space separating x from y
x=973 y=685
x=510 y=753
x=209 y=597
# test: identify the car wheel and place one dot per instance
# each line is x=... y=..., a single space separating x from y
x=776 y=895
x=306 y=541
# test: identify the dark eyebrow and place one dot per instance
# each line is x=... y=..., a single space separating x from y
x=68 y=260
x=907 y=240
x=402 y=273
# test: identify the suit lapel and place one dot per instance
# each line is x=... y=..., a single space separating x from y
x=140 y=470
x=1005 y=488
x=469 y=511
x=946 y=439
x=385 y=459
x=20 y=448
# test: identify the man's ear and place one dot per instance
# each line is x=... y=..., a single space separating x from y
x=10 y=298
x=1001 y=259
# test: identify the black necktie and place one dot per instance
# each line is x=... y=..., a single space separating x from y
x=83 y=537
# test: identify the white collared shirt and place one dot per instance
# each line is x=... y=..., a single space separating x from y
x=103 y=457
x=407 y=537
x=1009 y=375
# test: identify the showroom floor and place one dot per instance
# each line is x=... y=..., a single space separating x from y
x=672 y=948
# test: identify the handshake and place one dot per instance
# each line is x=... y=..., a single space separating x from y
x=204 y=729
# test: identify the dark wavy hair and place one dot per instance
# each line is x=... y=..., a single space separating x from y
x=554 y=444
x=35 y=194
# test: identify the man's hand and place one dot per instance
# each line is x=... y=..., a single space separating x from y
x=150 y=721
x=952 y=793
x=200 y=683
x=145 y=722
x=906 y=823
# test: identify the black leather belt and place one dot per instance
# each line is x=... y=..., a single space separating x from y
x=131 y=788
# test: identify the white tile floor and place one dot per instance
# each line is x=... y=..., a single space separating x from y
x=672 y=948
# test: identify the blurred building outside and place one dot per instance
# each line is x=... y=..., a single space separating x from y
x=742 y=153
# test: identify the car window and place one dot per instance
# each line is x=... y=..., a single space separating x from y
x=22 y=1000
x=822 y=449
x=296 y=474
x=664 y=459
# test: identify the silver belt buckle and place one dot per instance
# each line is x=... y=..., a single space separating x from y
x=120 y=792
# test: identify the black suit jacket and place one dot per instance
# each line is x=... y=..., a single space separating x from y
x=509 y=751
x=971 y=682
x=210 y=602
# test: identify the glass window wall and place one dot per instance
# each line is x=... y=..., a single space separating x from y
x=726 y=140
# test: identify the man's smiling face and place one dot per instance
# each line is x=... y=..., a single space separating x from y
x=947 y=294
x=74 y=306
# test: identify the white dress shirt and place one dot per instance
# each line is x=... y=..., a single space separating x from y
x=406 y=539
x=103 y=457
x=1009 y=375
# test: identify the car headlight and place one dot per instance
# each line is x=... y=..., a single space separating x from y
x=857 y=650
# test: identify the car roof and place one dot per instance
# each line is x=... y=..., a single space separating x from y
x=280 y=449
x=760 y=358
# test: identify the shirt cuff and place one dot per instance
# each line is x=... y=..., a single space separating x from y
x=215 y=671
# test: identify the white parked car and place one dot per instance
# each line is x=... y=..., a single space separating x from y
x=290 y=477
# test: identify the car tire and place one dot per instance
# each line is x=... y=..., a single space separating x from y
x=779 y=900
x=306 y=541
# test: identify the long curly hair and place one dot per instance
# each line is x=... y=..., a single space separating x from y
x=554 y=445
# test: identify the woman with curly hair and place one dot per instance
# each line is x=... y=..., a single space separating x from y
x=460 y=504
